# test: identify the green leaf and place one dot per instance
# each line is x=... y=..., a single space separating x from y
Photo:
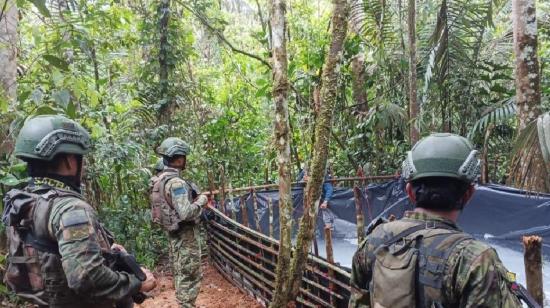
x=62 y=98
x=45 y=110
x=9 y=180
x=41 y=6
x=71 y=110
x=57 y=62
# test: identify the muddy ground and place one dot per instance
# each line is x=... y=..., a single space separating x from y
x=216 y=292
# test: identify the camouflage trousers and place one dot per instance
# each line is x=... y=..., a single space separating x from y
x=185 y=257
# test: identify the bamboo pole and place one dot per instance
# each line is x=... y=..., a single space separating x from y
x=256 y=275
x=334 y=180
x=242 y=236
x=532 y=246
x=268 y=239
x=219 y=238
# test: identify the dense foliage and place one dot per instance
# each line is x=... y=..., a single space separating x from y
x=101 y=62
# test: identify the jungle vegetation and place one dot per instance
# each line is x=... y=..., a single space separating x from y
x=260 y=88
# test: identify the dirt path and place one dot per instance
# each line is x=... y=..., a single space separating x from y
x=216 y=292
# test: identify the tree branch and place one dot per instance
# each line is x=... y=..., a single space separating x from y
x=221 y=37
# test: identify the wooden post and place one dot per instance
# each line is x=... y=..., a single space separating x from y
x=270 y=205
x=244 y=211
x=211 y=185
x=330 y=259
x=532 y=246
x=359 y=214
x=230 y=195
x=222 y=189
x=255 y=206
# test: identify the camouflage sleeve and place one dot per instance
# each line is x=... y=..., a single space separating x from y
x=178 y=191
x=481 y=279
x=360 y=297
x=74 y=223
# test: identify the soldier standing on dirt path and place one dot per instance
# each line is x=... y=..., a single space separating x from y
x=424 y=259
x=57 y=244
x=178 y=214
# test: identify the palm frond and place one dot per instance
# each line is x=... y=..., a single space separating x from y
x=495 y=116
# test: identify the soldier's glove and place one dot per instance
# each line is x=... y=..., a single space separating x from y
x=202 y=200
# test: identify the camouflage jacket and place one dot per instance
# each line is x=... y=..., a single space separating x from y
x=178 y=193
x=473 y=275
x=79 y=276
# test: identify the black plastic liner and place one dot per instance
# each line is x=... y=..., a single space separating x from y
x=496 y=213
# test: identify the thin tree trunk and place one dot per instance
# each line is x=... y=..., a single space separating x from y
x=528 y=167
x=358 y=84
x=320 y=152
x=282 y=140
x=413 y=104
x=164 y=12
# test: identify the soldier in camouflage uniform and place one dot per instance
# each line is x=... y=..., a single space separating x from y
x=424 y=259
x=56 y=242
x=175 y=209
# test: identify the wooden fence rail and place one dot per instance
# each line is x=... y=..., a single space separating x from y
x=248 y=258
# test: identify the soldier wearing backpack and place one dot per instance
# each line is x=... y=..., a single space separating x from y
x=56 y=243
x=424 y=259
x=177 y=211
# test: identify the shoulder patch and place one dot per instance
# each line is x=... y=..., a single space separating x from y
x=75 y=218
x=76 y=225
x=180 y=191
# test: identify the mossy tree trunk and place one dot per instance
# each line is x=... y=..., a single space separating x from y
x=414 y=134
x=528 y=167
x=164 y=66
x=8 y=79
x=318 y=165
x=282 y=140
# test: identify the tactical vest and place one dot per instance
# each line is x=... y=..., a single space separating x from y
x=34 y=271
x=163 y=211
x=408 y=269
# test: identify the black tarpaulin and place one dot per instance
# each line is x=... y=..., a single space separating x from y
x=496 y=213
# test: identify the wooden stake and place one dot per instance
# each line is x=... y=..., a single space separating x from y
x=222 y=189
x=359 y=214
x=244 y=211
x=270 y=205
x=255 y=206
x=330 y=258
x=532 y=246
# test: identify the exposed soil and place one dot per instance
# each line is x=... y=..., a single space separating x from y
x=215 y=291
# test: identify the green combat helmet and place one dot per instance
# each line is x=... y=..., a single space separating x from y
x=173 y=146
x=442 y=155
x=43 y=137
x=159 y=166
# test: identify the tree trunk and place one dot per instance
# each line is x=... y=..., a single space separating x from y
x=8 y=50
x=413 y=104
x=164 y=13
x=528 y=167
x=358 y=84
x=320 y=152
x=527 y=64
x=8 y=79
x=282 y=140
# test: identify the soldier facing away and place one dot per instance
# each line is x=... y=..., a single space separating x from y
x=56 y=242
x=424 y=259
x=178 y=214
